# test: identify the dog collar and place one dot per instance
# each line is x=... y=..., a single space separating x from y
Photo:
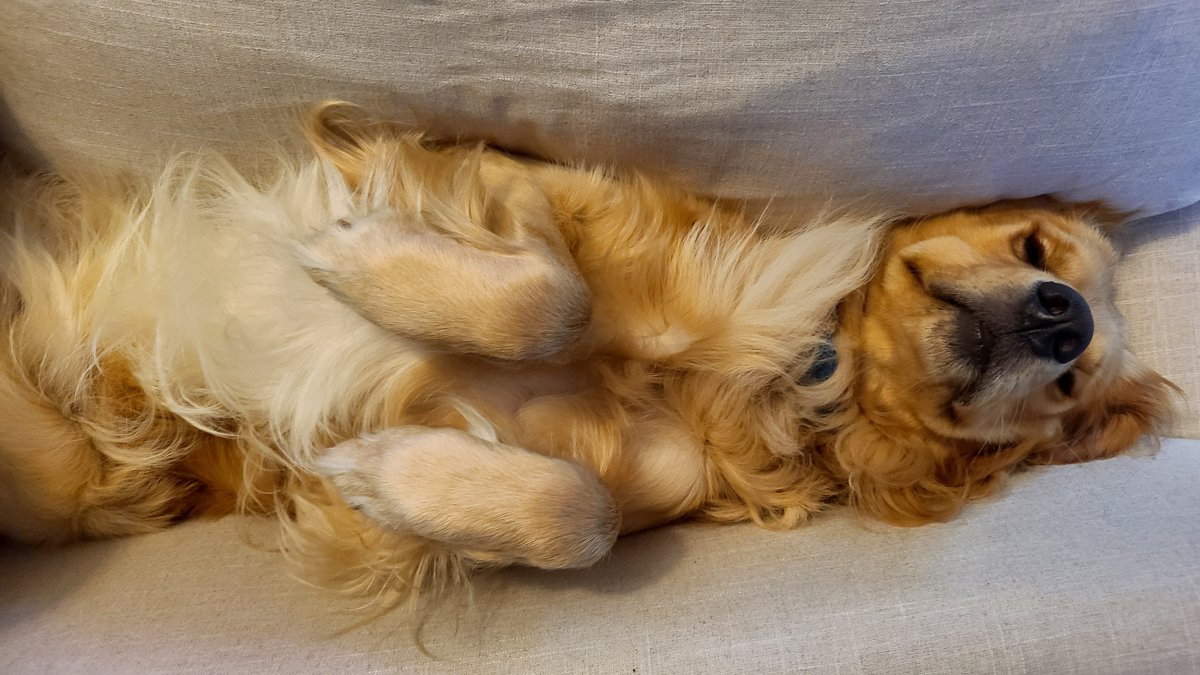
x=825 y=364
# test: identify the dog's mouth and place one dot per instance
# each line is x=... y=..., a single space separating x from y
x=973 y=344
x=976 y=342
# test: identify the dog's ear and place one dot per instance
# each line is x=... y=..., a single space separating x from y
x=887 y=480
x=1102 y=215
x=1140 y=402
x=340 y=133
x=902 y=483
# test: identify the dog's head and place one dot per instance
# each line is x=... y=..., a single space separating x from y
x=989 y=338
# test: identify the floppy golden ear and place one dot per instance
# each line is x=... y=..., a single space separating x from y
x=1138 y=403
x=339 y=133
x=911 y=479
x=901 y=483
x=1102 y=215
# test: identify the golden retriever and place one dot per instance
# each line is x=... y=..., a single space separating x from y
x=424 y=358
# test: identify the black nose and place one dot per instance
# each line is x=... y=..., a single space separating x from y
x=1058 y=322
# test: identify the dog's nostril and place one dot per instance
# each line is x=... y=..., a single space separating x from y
x=1067 y=346
x=1054 y=297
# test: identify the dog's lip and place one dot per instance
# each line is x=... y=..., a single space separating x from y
x=974 y=343
x=973 y=339
x=986 y=344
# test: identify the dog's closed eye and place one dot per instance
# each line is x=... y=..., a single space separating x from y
x=1034 y=250
x=915 y=272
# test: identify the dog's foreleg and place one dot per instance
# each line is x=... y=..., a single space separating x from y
x=525 y=303
x=493 y=502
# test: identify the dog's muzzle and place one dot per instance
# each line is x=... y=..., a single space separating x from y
x=1051 y=322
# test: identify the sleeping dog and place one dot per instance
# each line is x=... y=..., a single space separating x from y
x=425 y=357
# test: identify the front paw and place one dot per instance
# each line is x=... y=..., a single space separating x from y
x=343 y=255
x=523 y=304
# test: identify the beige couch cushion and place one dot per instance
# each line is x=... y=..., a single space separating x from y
x=1088 y=569
x=920 y=105
x=1159 y=293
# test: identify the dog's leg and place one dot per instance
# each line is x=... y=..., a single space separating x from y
x=525 y=301
x=490 y=501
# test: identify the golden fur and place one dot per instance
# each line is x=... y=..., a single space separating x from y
x=423 y=358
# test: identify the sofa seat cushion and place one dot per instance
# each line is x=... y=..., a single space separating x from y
x=1158 y=290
